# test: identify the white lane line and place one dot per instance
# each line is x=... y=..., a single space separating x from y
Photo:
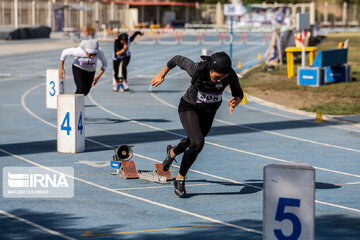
x=296 y=118
x=45 y=229
x=261 y=130
x=209 y=219
x=10 y=105
x=211 y=143
x=128 y=195
x=166 y=186
x=291 y=137
x=226 y=179
x=260 y=155
x=338 y=206
x=349 y=183
x=237 y=150
x=28 y=110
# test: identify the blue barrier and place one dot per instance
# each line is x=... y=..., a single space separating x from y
x=332 y=57
x=328 y=66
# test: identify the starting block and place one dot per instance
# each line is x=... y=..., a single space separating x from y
x=160 y=172
x=126 y=168
x=158 y=175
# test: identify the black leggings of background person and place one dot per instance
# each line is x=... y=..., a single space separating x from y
x=83 y=80
x=116 y=63
x=197 y=125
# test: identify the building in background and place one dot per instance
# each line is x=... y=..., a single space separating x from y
x=66 y=15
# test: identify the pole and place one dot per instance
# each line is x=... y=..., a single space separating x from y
x=303 y=49
x=344 y=17
x=16 y=15
x=82 y=15
x=231 y=35
x=326 y=13
x=33 y=12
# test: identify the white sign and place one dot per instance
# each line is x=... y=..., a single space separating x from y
x=234 y=10
x=54 y=87
x=36 y=182
x=302 y=21
x=70 y=123
x=289 y=201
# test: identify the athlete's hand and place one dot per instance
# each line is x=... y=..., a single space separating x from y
x=233 y=102
x=157 y=80
x=61 y=73
x=95 y=81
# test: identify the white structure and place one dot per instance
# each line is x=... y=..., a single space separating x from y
x=289 y=201
x=207 y=52
x=70 y=123
x=54 y=87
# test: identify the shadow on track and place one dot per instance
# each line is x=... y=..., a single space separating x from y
x=151 y=136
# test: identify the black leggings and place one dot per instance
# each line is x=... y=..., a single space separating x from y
x=83 y=80
x=116 y=63
x=197 y=125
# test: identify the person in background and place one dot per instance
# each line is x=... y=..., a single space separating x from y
x=84 y=65
x=121 y=59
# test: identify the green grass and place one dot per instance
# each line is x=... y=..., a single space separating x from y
x=335 y=108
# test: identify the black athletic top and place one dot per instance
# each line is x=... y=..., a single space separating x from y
x=203 y=94
x=118 y=45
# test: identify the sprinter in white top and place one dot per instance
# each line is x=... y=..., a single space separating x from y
x=84 y=64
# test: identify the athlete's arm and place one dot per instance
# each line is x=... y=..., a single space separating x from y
x=236 y=92
x=61 y=71
x=135 y=34
x=184 y=63
x=96 y=78
x=118 y=53
x=233 y=102
x=158 y=79
x=103 y=67
x=65 y=52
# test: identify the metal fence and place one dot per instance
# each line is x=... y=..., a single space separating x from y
x=337 y=14
x=74 y=14
x=77 y=14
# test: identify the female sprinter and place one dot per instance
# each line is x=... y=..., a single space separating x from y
x=84 y=65
x=198 y=106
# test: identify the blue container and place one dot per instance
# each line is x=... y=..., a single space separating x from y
x=338 y=73
x=311 y=76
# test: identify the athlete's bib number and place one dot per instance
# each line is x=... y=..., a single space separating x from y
x=203 y=97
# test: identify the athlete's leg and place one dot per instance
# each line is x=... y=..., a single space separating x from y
x=125 y=63
x=191 y=123
x=78 y=79
x=181 y=146
x=88 y=80
x=206 y=120
x=116 y=64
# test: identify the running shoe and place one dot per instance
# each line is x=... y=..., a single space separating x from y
x=121 y=87
x=168 y=160
x=126 y=86
x=115 y=87
x=180 y=188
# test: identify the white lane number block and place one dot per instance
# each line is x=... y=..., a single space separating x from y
x=70 y=123
x=54 y=87
x=289 y=202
